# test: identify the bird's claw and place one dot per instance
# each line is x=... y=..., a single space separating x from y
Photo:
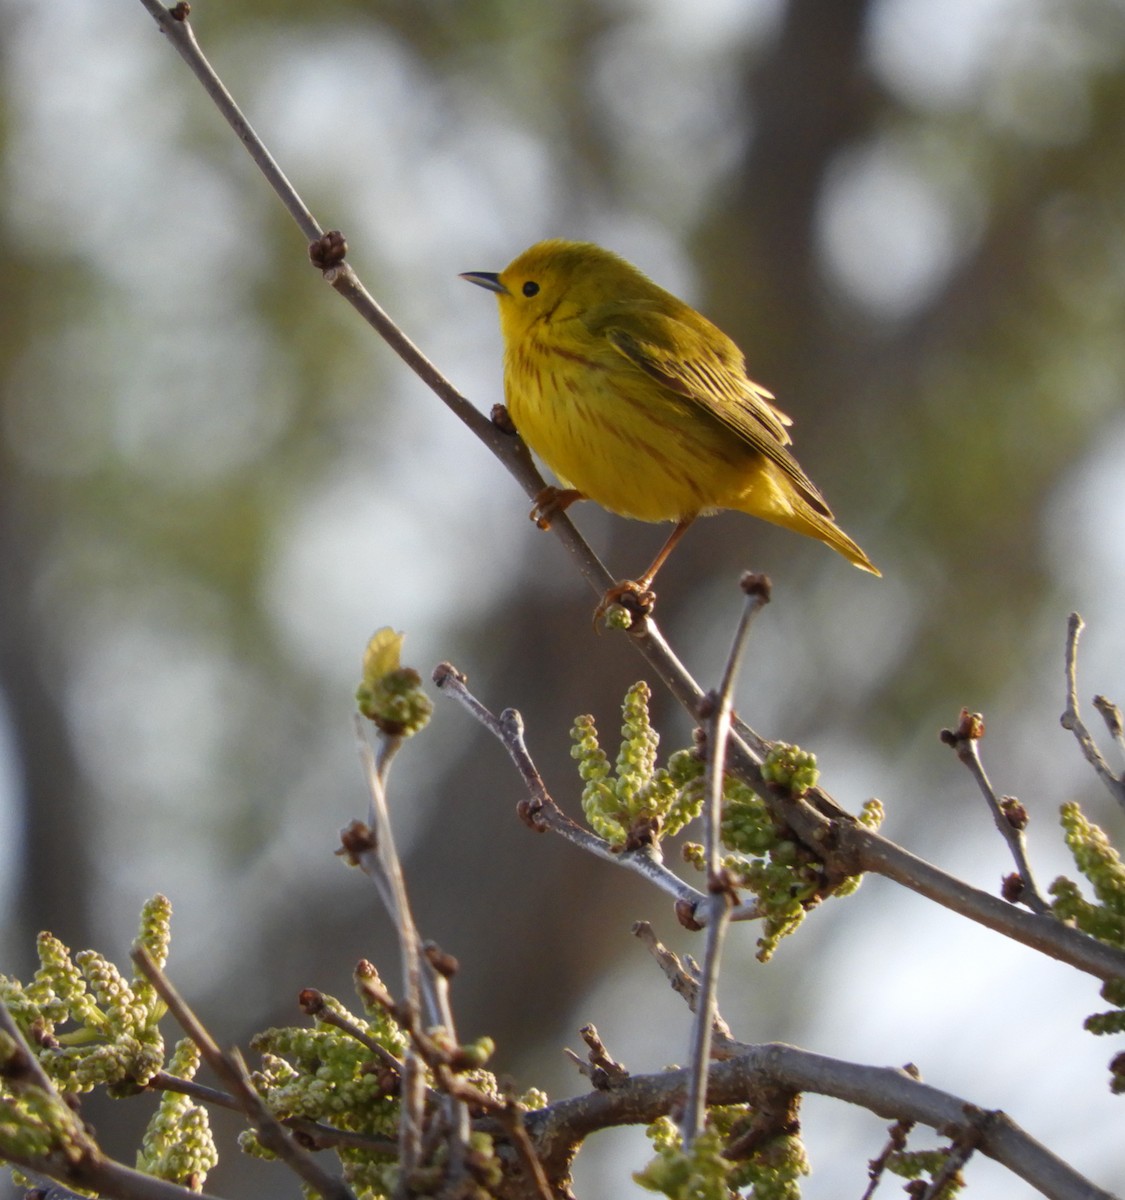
x=550 y=502
x=637 y=599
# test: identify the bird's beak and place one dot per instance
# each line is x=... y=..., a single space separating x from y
x=486 y=279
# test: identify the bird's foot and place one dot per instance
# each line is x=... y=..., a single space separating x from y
x=550 y=502
x=637 y=599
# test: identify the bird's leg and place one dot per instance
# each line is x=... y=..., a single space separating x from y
x=639 y=591
x=645 y=581
x=550 y=502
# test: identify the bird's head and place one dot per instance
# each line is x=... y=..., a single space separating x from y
x=556 y=281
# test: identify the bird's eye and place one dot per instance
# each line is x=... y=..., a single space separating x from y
x=531 y=288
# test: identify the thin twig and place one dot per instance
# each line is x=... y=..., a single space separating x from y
x=853 y=844
x=510 y=451
x=426 y=987
x=230 y=1068
x=721 y=893
x=543 y=814
x=949 y=1173
x=648 y=639
x=80 y=1161
x=388 y=746
x=313 y=1005
x=46 y=1188
x=124 y=1182
x=1111 y=715
x=599 y=1066
x=26 y=1070
x=101 y=1176
x=314 y=1132
x=684 y=980
x=1071 y=718
x=512 y=1120
x=438 y=1004
x=175 y=26
x=1008 y=814
x=896 y=1142
x=455 y=1091
x=381 y=863
x=312 y=1002
x=848 y=848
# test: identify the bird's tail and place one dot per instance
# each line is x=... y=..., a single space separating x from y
x=774 y=499
x=805 y=519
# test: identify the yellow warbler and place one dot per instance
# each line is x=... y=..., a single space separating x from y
x=637 y=402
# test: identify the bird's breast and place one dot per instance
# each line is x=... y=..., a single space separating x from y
x=609 y=430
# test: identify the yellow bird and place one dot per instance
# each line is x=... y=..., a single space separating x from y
x=637 y=402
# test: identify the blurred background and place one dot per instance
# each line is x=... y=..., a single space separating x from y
x=215 y=483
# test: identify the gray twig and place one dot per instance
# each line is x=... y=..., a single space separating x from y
x=1009 y=815
x=314 y=1133
x=1071 y=718
x=721 y=892
x=542 y=814
x=175 y=26
x=378 y=858
x=684 y=980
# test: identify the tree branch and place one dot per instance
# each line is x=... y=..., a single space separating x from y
x=886 y=1091
x=870 y=852
x=510 y=450
x=105 y=1177
x=838 y=840
x=1009 y=815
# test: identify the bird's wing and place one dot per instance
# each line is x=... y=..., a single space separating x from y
x=707 y=368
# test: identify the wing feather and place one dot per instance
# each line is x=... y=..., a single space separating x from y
x=699 y=362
